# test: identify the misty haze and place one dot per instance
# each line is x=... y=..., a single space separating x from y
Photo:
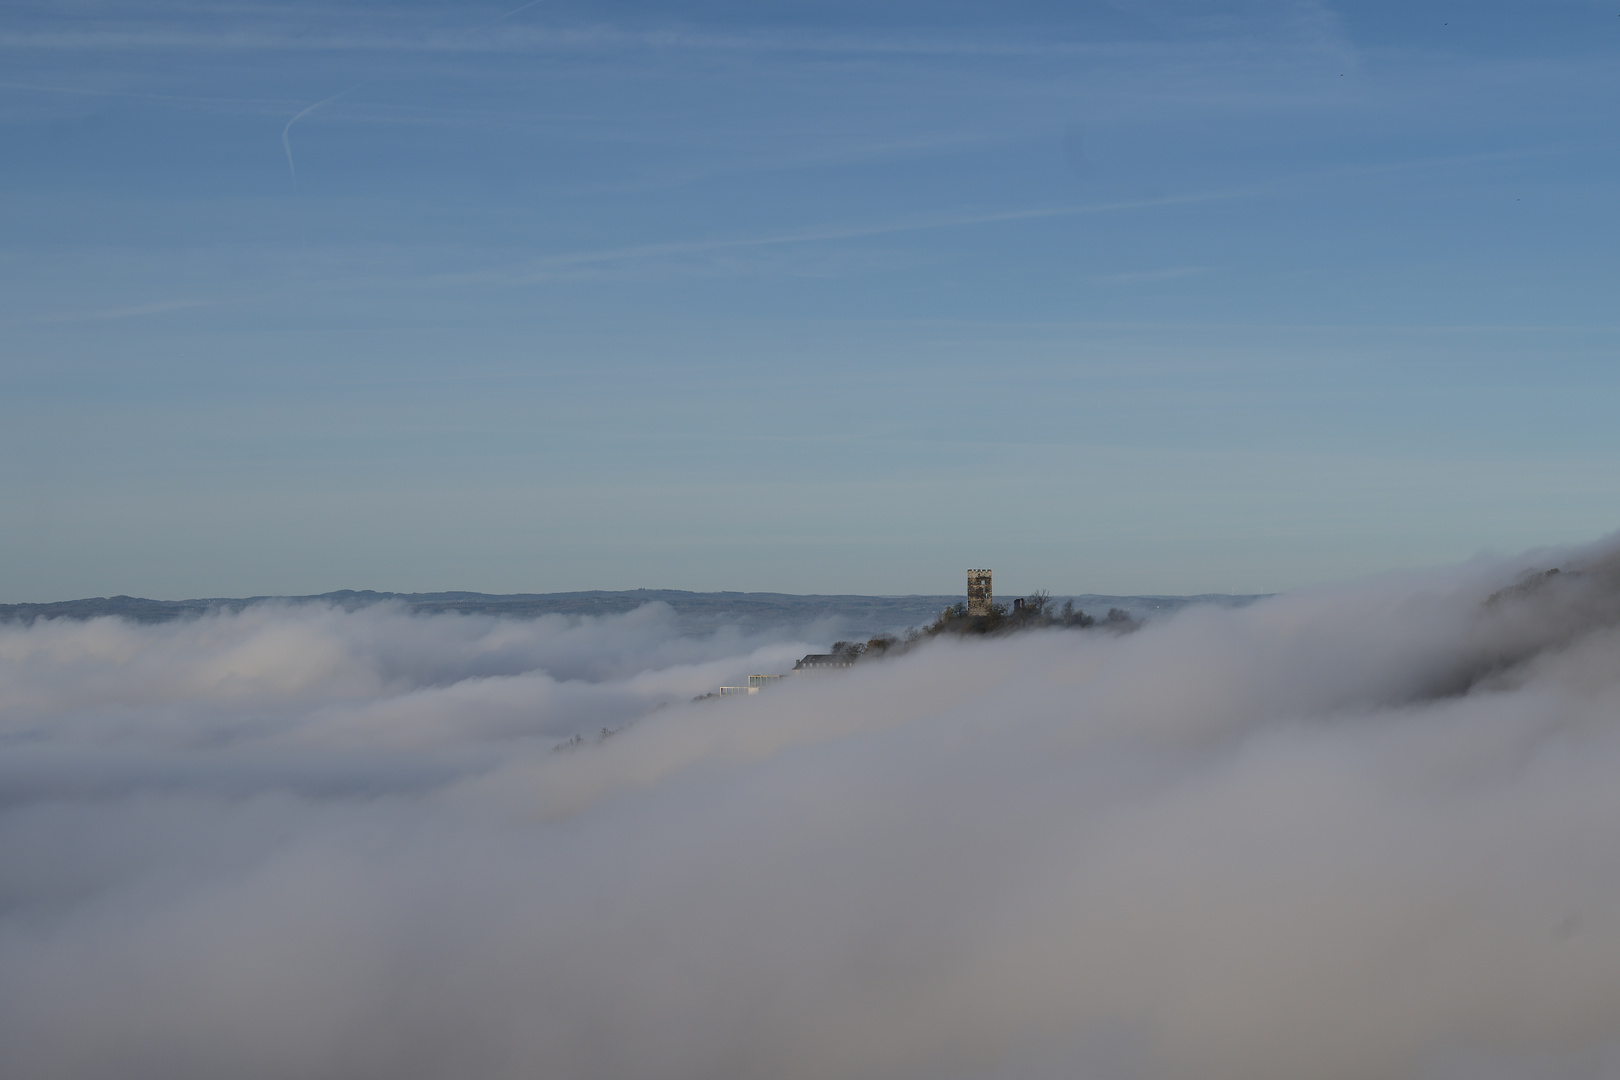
x=1355 y=832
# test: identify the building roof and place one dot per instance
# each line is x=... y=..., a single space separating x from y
x=815 y=660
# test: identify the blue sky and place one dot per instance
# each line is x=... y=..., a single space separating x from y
x=833 y=297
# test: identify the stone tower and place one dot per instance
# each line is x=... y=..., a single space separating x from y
x=979 y=597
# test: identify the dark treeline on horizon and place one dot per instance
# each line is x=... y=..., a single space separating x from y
x=695 y=612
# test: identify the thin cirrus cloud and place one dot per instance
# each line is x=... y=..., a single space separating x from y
x=851 y=232
x=1352 y=832
x=1147 y=277
x=391 y=36
x=112 y=314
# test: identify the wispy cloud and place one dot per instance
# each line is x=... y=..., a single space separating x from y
x=133 y=311
x=827 y=234
x=499 y=37
x=139 y=95
x=1138 y=277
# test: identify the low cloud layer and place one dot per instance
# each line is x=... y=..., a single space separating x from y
x=1363 y=832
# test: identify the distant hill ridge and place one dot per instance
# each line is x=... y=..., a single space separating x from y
x=693 y=610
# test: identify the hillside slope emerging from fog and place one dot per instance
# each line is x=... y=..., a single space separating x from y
x=1356 y=833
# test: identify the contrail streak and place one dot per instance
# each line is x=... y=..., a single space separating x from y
x=286 y=144
x=503 y=17
x=520 y=7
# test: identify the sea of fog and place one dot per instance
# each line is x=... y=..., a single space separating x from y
x=1369 y=831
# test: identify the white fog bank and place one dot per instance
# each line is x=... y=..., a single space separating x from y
x=1363 y=832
